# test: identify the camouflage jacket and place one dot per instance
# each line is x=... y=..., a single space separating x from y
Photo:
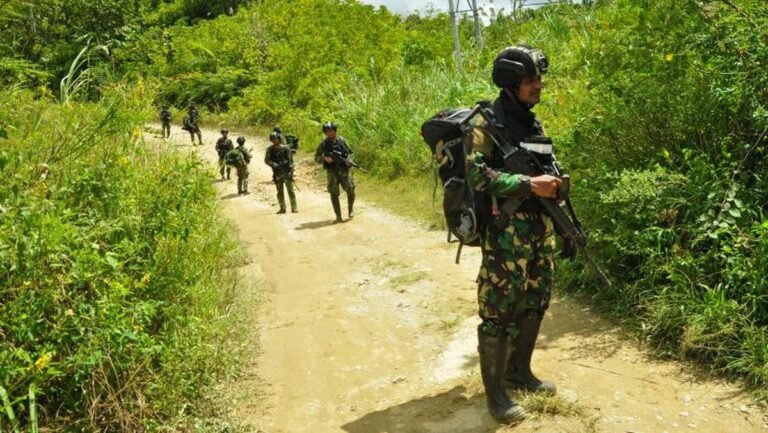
x=485 y=163
x=194 y=116
x=279 y=158
x=336 y=149
x=224 y=145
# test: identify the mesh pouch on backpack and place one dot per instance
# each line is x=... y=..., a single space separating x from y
x=444 y=134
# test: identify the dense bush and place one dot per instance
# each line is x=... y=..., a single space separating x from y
x=677 y=198
x=112 y=260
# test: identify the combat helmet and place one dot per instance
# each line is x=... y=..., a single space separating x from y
x=241 y=140
x=328 y=126
x=274 y=136
x=513 y=64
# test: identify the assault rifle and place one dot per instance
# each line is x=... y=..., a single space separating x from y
x=534 y=157
x=339 y=159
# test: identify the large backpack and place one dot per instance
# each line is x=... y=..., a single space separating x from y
x=293 y=142
x=234 y=158
x=444 y=133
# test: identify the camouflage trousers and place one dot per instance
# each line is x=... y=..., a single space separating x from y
x=516 y=272
x=166 y=129
x=242 y=178
x=285 y=182
x=223 y=167
x=343 y=178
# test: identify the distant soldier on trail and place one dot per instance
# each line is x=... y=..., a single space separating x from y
x=165 y=119
x=239 y=158
x=223 y=146
x=279 y=158
x=336 y=157
x=192 y=123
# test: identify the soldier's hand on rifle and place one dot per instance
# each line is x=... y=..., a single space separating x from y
x=545 y=186
x=328 y=159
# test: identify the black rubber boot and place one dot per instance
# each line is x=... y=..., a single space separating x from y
x=519 y=374
x=351 y=206
x=494 y=354
x=336 y=208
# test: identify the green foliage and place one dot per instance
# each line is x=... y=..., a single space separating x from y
x=112 y=259
x=676 y=115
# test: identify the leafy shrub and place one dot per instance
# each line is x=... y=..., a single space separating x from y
x=112 y=259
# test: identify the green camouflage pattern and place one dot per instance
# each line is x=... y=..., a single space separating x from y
x=516 y=272
x=503 y=184
x=338 y=177
x=285 y=183
x=518 y=258
x=242 y=178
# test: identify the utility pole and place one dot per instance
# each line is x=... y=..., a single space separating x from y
x=453 y=7
x=455 y=27
x=478 y=28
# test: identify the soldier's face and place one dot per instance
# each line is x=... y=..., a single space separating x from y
x=330 y=134
x=529 y=92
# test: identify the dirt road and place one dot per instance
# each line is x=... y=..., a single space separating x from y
x=369 y=327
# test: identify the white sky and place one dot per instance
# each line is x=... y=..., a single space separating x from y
x=410 y=6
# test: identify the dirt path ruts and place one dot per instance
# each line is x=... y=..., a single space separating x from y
x=369 y=327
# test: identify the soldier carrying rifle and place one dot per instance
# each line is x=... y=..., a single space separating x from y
x=518 y=243
x=280 y=159
x=336 y=157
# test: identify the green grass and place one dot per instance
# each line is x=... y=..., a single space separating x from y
x=115 y=301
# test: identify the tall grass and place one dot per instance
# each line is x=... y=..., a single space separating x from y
x=113 y=263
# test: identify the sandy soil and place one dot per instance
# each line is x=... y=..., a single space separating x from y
x=369 y=327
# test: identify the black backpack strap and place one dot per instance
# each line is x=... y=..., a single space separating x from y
x=494 y=127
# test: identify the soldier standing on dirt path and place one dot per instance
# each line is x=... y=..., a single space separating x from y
x=223 y=146
x=165 y=119
x=239 y=158
x=193 y=120
x=278 y=157
x=335 y=155
x=515 y=278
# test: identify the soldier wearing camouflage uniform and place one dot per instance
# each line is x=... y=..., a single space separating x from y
x=335 y=155
x=280 y=159
x=223 y=146
x=240 y=157
x=165 y=119
x=515 y=278
x=194 y=123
